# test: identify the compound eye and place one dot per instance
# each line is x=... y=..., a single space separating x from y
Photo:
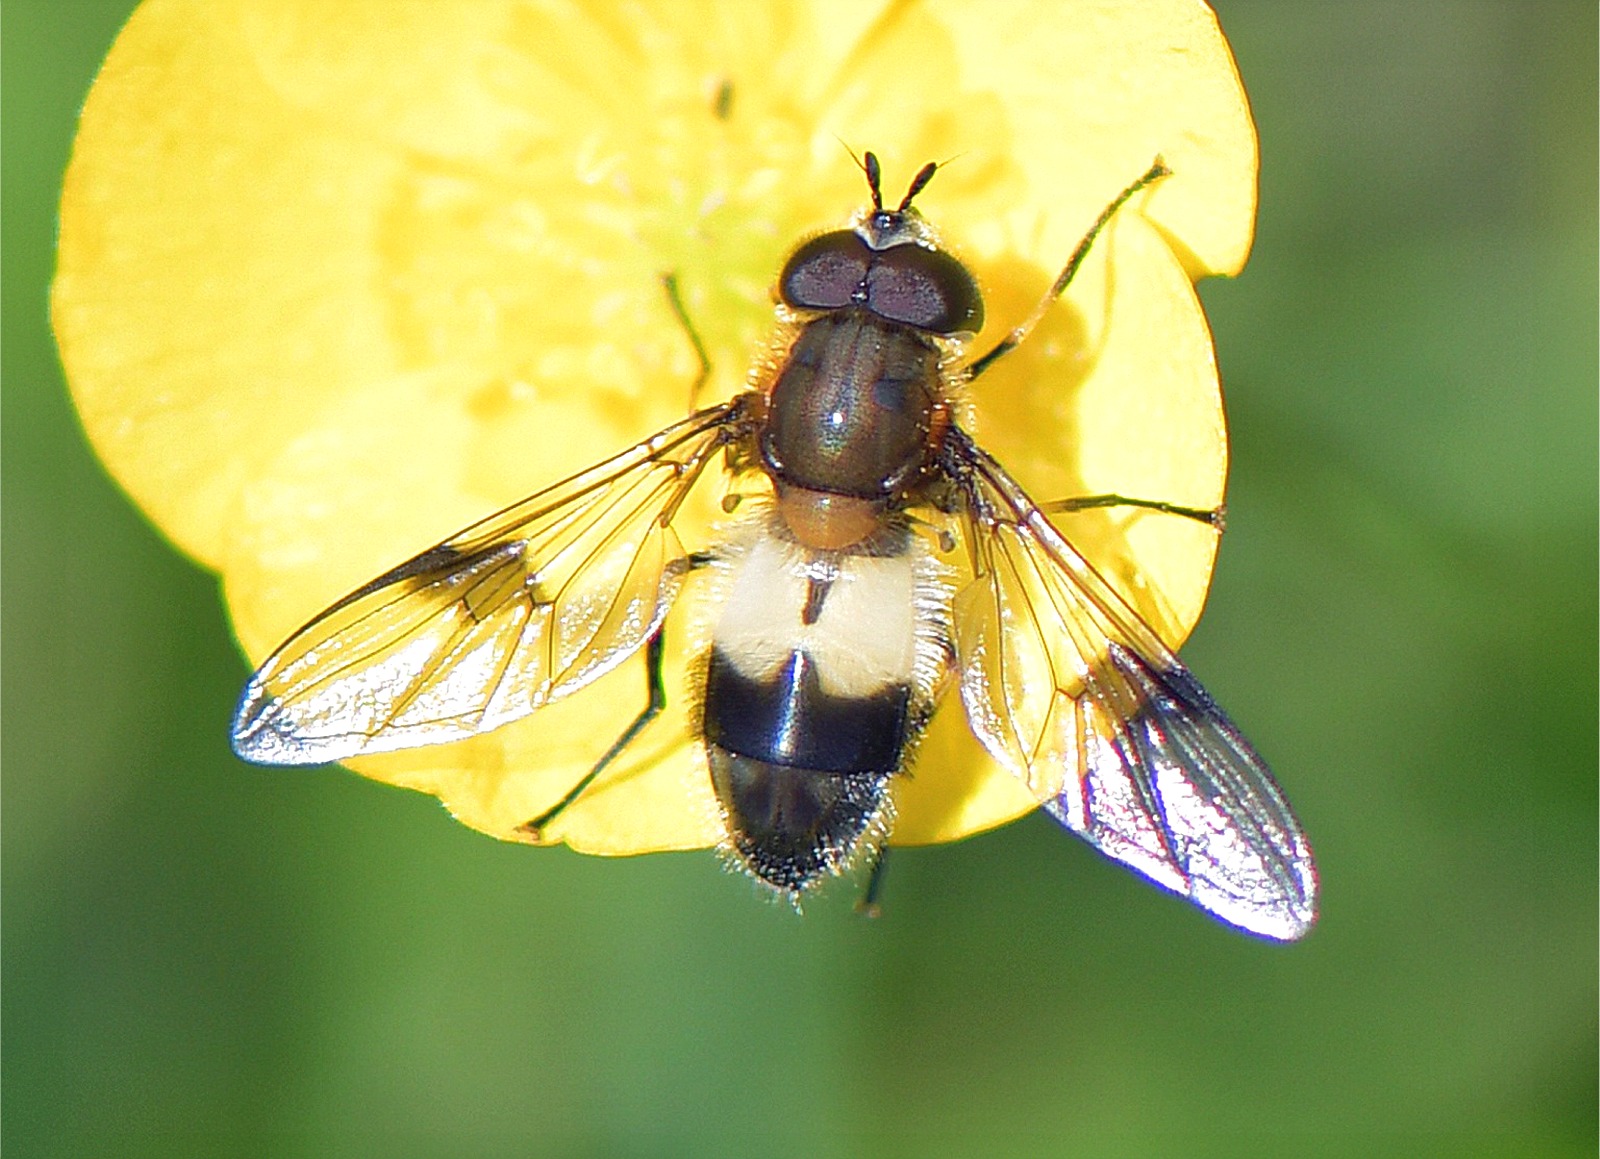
x=925 y=288
x=826 y=272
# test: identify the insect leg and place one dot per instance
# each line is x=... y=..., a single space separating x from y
x=1014 y=339
x=1211 y=516
x=868 y=906
x=657 y=700
x=670 y=283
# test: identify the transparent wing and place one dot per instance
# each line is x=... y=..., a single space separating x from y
x=1067 y=686
x=524 y=607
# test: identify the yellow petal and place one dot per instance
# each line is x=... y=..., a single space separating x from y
x=337 y=279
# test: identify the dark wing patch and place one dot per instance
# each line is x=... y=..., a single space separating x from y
x=522 y=608
x=1068 y=687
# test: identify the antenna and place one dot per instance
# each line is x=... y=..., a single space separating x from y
x=874 y=177
x=918 y=183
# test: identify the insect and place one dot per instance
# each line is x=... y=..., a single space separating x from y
x=836 y=631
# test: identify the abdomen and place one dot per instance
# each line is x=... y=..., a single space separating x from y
x=816 y=688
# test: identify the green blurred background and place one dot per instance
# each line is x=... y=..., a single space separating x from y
x=205 y=958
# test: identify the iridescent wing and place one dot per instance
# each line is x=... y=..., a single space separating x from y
x=1068 y=687
x=527 y=606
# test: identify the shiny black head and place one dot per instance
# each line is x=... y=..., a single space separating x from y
x=888 y=265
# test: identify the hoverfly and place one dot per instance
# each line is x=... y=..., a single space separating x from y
x=836 y=630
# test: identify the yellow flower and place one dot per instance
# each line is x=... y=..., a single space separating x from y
x=338 y=279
